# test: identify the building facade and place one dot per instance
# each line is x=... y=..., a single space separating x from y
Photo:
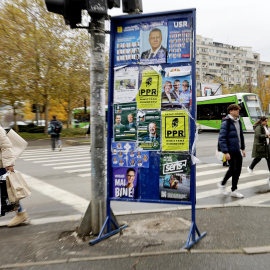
x=234 y=65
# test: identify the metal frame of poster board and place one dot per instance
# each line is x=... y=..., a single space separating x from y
x=146 y=194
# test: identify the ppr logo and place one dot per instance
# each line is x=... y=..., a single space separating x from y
x=175 y=127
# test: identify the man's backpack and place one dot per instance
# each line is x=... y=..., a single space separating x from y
x=56 y=127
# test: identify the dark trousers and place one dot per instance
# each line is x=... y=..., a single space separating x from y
x=234 y=171
x=255 y=161
x=55 y=138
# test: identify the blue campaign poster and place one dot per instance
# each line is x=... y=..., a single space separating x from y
x=153 y=47
x=127 y=45
x=179 y=40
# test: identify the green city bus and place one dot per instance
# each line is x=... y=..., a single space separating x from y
x=211 y=110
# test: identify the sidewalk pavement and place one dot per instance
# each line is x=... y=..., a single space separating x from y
x=151 y=241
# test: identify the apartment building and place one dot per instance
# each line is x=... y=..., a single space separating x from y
x=234 y=65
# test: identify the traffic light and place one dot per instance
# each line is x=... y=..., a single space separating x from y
x=70 y=9
x=113 y=3
x=131 y=5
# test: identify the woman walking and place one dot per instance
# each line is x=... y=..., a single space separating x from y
x=261 y=144
x=7 y=162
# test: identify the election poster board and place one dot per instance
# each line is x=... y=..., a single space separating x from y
x=152 y=107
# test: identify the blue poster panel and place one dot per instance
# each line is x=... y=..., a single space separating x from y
x=151 y=107
x=179 y=40
x=127 y=46
x=126 y=154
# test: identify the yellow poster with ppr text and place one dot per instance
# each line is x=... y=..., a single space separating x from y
x=175 y=131
x=149 y=95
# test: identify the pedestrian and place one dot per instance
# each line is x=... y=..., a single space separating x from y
x=261 y=144
x=7 y=162
x=231 y=142
x=54 y=131
x=88 y=131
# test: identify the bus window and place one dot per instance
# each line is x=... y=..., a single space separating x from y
x=254 y=107
x=212 y=111
x=243 y=111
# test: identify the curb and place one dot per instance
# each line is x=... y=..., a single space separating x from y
x=243 y=251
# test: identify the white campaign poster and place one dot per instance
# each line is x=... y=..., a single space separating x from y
x=211 y=89
x=125 y=84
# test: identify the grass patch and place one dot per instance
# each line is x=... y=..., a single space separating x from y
x=67 y=132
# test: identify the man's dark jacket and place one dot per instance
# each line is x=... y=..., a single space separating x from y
x=228 y=138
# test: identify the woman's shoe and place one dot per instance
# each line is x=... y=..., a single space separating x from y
x=18 y=219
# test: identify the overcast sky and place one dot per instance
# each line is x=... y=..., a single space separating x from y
x=234 y=22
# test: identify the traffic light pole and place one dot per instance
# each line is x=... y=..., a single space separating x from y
x=95 y=214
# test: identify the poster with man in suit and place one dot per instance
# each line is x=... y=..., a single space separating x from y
x=153 y=42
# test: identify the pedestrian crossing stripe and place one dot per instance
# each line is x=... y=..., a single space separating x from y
x=77 y=160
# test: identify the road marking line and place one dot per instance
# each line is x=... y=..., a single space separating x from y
x=48 y=150
x=72 y=166
x=78 y=203
x=218 y=180
x=30 y=159
x=210 y=172
x=56 y=153
x=67 y=159
x=79 y=170
x=209 y=193
x=207 y=165
x=84 y=175
x=65 y=163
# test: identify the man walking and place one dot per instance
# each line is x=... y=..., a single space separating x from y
x=231 y=142
x=54 y=131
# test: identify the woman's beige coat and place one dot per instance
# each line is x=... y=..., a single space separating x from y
x=7 y=157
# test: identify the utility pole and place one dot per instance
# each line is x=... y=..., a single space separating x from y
x=96 y=213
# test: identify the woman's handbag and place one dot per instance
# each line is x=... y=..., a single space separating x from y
x=17 y=187
x=18 y=143
x=5 y=205
x=260 y=147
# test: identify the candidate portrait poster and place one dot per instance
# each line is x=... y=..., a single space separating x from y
x=179 y=40
x=127 y=45
x=175 y=131
x=153 y=46
x=149 y=124
x=176 y=88
x=125 y=125
x=124 y=183
x=149 y=95
x=126 y=84
x=174 y=179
